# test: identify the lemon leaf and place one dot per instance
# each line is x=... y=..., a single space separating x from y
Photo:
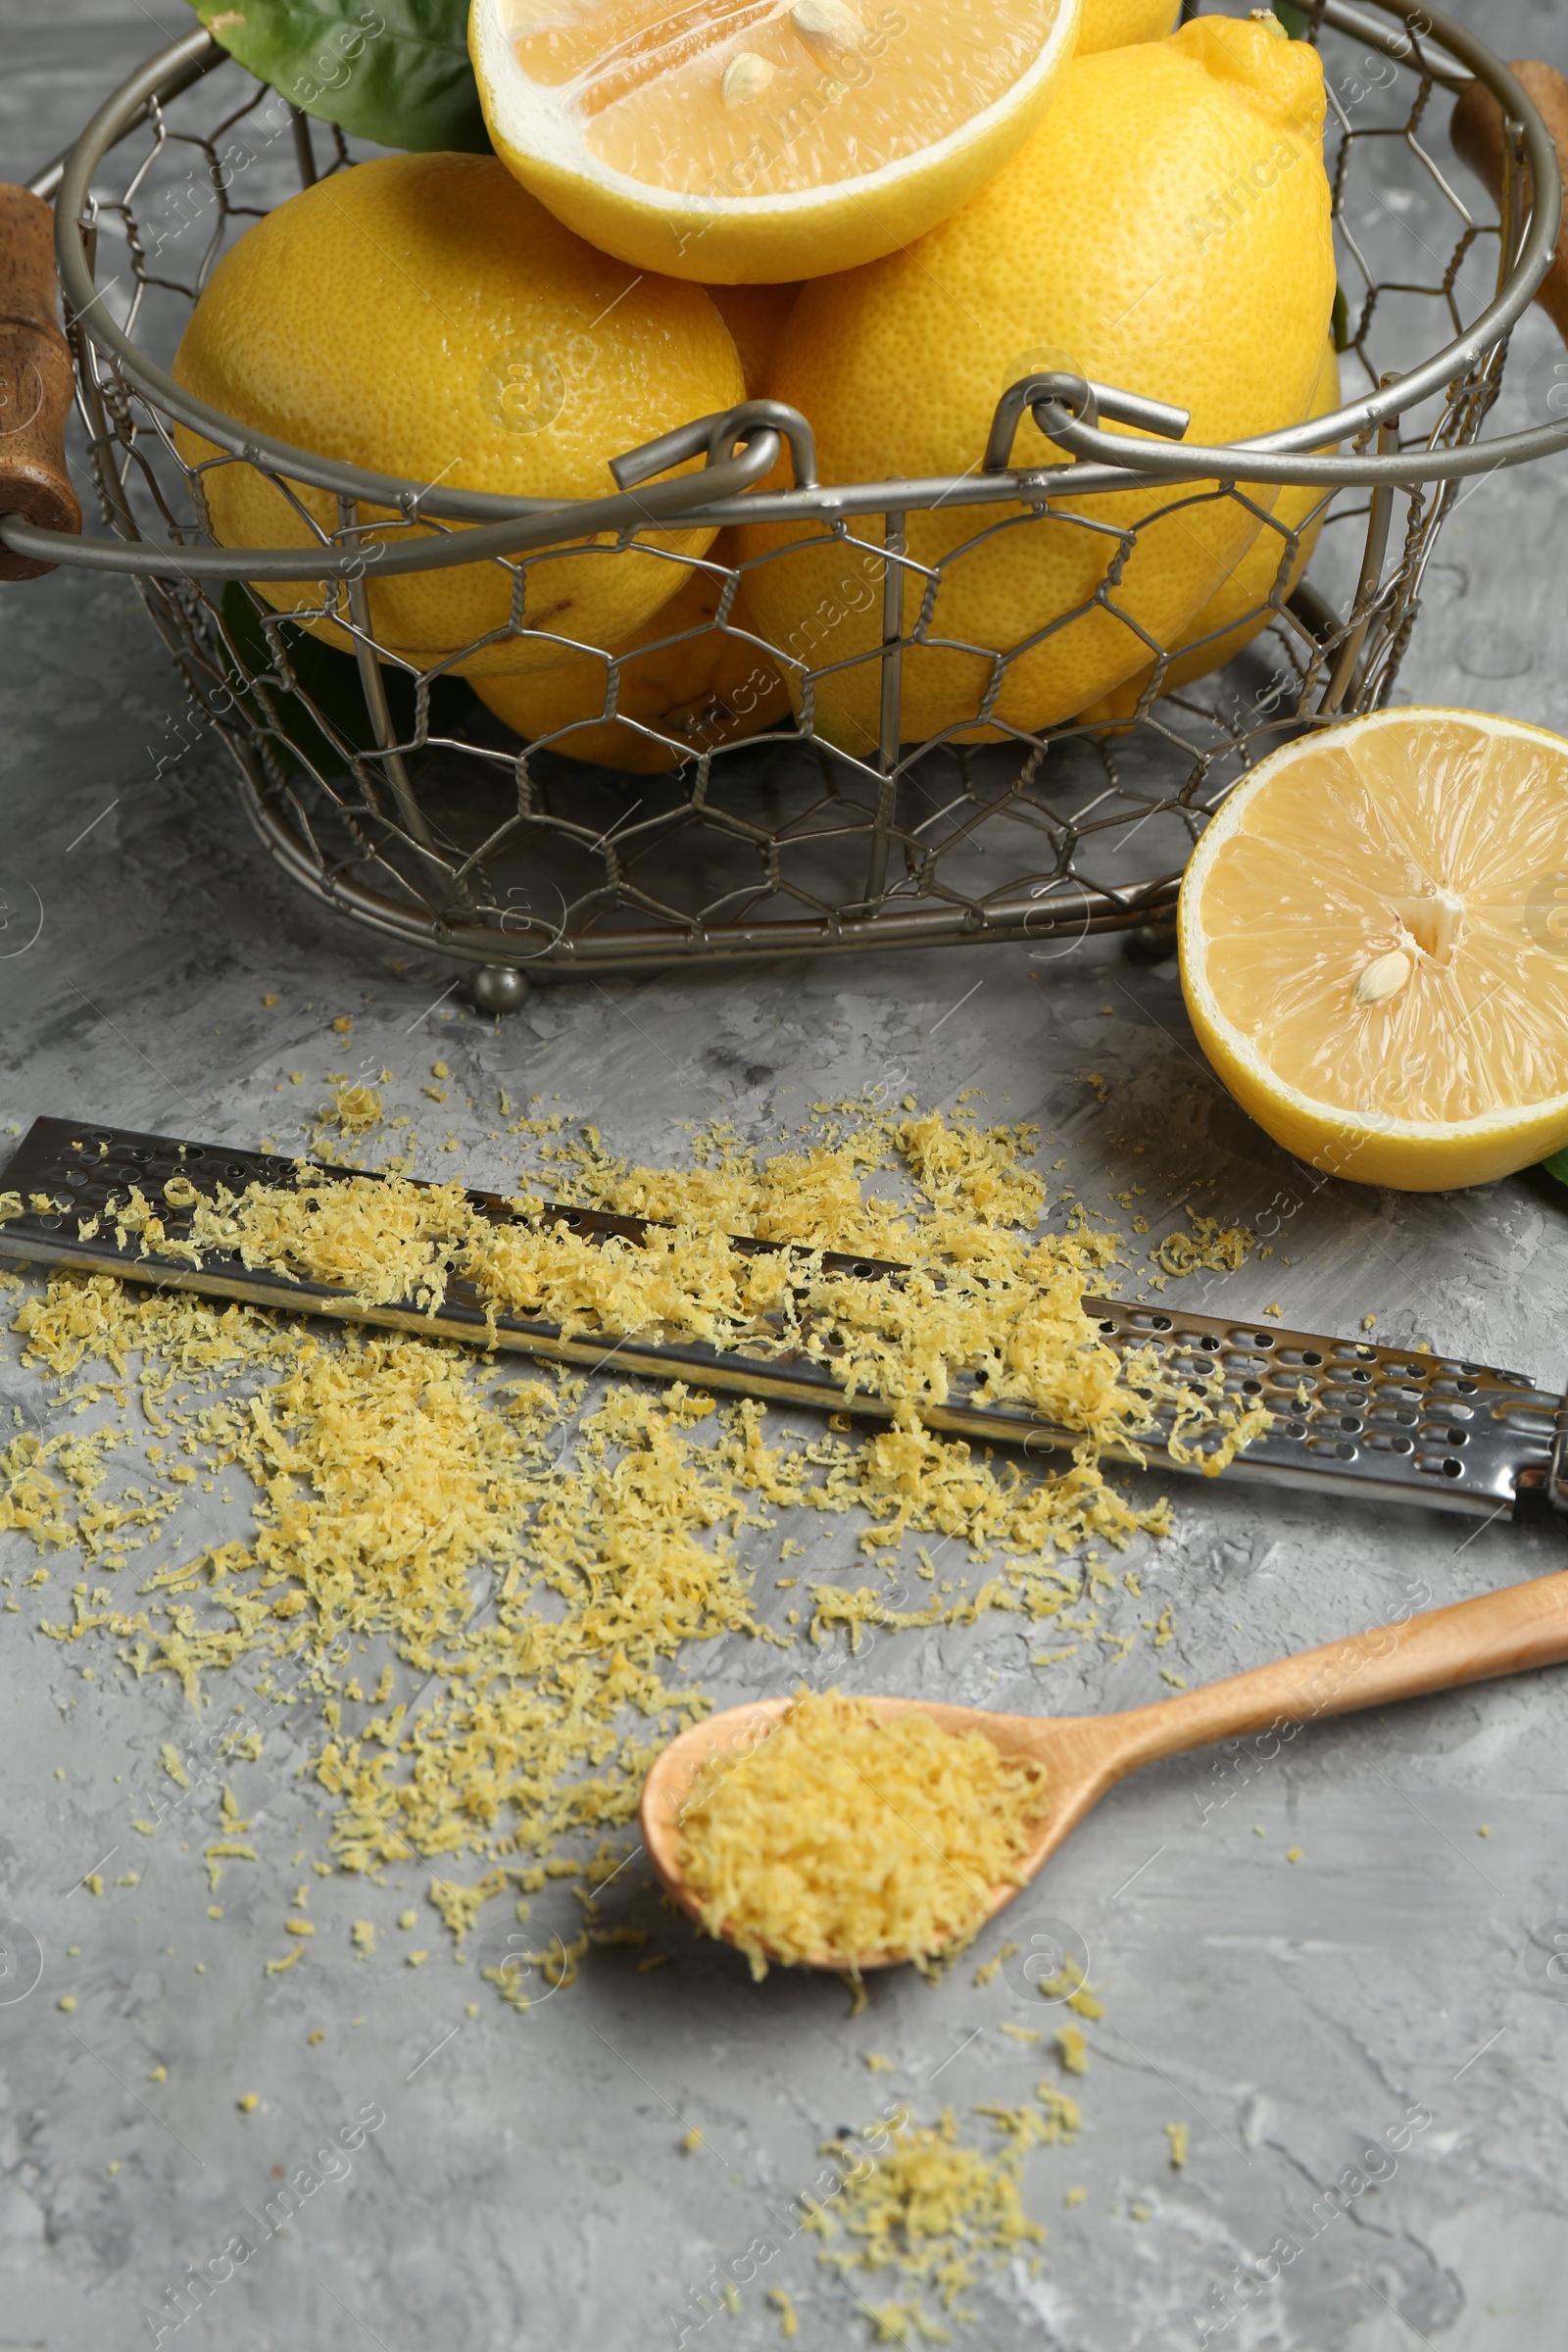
x=320 y=719
x=393 y=71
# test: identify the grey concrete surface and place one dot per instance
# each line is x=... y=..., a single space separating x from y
x=527 y=2188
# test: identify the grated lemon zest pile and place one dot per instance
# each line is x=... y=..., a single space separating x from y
x=844 y=1835
x=1209 y=1248
x=385 y=1482
x=460 y=1907
x=1054 y=2118
x=981 y=1300
x=932 y=2209
x=356 y=1107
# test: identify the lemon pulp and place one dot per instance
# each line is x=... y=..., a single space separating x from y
x=765 y=97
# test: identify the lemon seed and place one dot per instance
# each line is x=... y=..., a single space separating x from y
x=1383 y=977
x=826 y=23
x=746 y=76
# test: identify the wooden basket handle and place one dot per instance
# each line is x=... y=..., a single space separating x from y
x=36 y=379
x=1478 y=140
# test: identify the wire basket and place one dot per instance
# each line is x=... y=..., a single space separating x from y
x=394 y=798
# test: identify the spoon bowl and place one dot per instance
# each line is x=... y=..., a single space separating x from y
x=1074 y=1749
x=1083 y=1755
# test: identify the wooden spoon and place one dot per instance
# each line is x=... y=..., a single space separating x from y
x=1084 y=1755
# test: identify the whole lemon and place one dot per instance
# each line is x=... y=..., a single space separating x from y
x=1240 y=606
x=1167 y=230
x=424 y=316
x=1112 y=24
x=710 y=687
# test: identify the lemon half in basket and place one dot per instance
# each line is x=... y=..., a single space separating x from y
x=1373 y=947
x=749 y=141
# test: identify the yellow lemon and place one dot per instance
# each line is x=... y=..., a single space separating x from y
x=701 y=686
x=1113 y=24
x=1240 y=607
x=422 y=315
x=772 y=139
x=1166 y=231
x=1373 y=947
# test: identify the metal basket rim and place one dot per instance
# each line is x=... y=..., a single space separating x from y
x=723 y=491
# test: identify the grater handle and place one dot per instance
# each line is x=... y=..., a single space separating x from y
x=35 y=380
x=1523 y=1626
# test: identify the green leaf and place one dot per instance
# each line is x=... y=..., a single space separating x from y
x=1340 y=324
x=1558 y=1165
x=331 y=681
x=393 y=71
x=1295 y=21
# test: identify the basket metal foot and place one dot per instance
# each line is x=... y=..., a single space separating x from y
x=498 y=988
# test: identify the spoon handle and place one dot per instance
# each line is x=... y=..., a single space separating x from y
x=1502 y=1633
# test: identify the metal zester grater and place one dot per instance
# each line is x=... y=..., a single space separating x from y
x=1348 y=1419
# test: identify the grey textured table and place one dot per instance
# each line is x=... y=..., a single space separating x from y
x=528 y=2187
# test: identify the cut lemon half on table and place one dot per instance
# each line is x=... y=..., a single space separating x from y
x=1373 y=947
x=751 y=141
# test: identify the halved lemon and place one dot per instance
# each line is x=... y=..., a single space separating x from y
x=1373 y=947
x=751 y=141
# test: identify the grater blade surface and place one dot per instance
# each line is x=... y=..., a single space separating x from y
x=1350 y=1418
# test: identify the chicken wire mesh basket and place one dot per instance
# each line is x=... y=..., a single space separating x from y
x=393 y=797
